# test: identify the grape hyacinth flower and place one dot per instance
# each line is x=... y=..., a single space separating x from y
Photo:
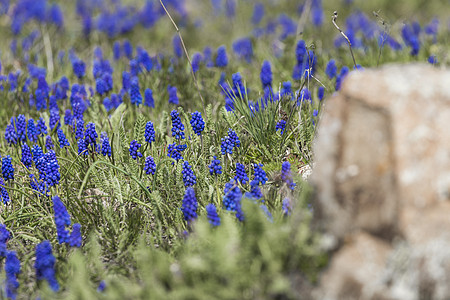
x=266 y=75
x=238 y=87
x=75 y=236
x=41 y=127
x=189 y=205
x=174 y=152
x=63 y=142
x=12 y=268
x=229 y=142
x=79 y=68
x=49 y=168
x=31 y=131
x=21 y=124
x=177 y=47
x=281 y=125
x=45 y=264
x=189 y=178
x=258 y=13
x=215 y=168
x=82 y=148
x=62 y=219
x=90 y=136
x=286 y=207
x=149 y=101
x=7 y=168
x=241 y=175
x=149 y=132
x=150 y=166
x=286 y=174
x=196 y=60
x=27 y=159
x=320 y=93
x=232 y=198
x=49 y=143
x=331 y=69
x=68 y=118
x=4 y=194
x=10 y=135
x=5 y=235
x=259 y=175
x=213 y=217
x=106 y=147
x=54 y=119
x=243 y=49
x=135 y=94
x=177 y=126
x=221 y=58
x=79 y=131
x=173 y=97
x=197 y=123
x=134 y=147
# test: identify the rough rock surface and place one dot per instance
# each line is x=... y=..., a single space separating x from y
x=382 y=175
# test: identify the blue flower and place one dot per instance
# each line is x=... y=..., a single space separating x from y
x=177 y=47
x=90 y=136
x=135 y=94
x=289 y=26
x=173 y=97
x=45 y=264
x=266 y=75
x=75 y=236
x=243 y=49
x=411 y=39
x=79 y=131
x=197 y=123
x=213 y=217
x=229 y=142
x=4 y=194
x=316 y=12
x=101 y=287
x=27 y=159
x=12 y=268
x=340 y=78
x=127 y=49
x=79 y=67
x=232 y=198
x=68 y=118
x=149 y=132
x=63 y=142
x=116 y=50
x=134 y=147
x=54 y=119
x=7 y=168
x=221 y=58
x=5 y=235
x=331 y=69
x=432 y=59
x=106 y=147
x=177 y=126
x=241 y=175
x=196 y=60
x=189 y=205
x=215 y=168
x=286 y=207
x=259 y=175
x=258 y=13
x=31 y=131
x=62 y=219
x=41 y=127
x=21 y=125
x=189 y=178
x=286 y=175
x=238 y=87
x=280 y=126
x=150 y=166
x=174 y=152
x=10 y=134
x=37 y=154
x=49 y=168
x=82 y=147
x=320 y=93
x=149 y=101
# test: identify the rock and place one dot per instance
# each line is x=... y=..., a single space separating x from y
x=382 y=178
x=383 y=141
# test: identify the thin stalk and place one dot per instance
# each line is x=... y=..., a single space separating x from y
x=333 y=19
